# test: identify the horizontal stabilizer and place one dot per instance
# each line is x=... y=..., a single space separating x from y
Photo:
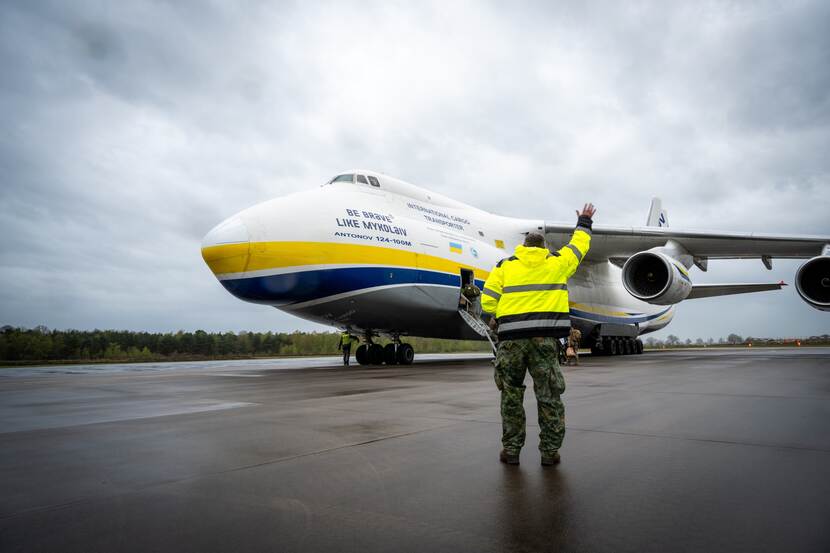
x=712 y=290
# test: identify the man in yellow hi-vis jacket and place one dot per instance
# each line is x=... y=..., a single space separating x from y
x=345 y=344
x=528 y=294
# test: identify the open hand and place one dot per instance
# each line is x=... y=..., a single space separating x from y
x=587 y=211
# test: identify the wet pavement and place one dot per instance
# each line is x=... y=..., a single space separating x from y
x=725 y=450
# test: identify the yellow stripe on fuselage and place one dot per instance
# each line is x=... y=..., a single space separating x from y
x=233 y=258
x=227 y=258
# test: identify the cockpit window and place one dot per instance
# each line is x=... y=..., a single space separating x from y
x=374 y=181
x=342 y=178
x=361 y=178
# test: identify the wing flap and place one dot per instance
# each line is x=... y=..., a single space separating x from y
x=712 y=290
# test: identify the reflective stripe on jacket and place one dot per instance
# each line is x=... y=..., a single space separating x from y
x=528 y=292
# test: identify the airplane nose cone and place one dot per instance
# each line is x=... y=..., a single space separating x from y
x=226 y=248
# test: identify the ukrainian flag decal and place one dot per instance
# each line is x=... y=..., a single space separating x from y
x=455 y=247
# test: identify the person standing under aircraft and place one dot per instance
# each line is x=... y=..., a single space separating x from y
x=528 y=294
x=573 y=346
x=345 y=344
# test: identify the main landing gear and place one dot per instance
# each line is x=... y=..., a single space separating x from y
x=612 y=345
x=396 y=353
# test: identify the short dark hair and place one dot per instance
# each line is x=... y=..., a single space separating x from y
x=534 y=240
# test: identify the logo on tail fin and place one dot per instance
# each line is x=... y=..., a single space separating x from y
x=657 y=216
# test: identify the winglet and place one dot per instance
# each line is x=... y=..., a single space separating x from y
x=657 y=216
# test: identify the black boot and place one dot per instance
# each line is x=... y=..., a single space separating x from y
x=550 y=459
x=508 y=458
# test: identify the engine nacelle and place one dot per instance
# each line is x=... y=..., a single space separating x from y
x=656 y=278
x=812 y=281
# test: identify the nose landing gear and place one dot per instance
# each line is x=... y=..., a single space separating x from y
x=406 y=354
x=362 y=354
x=390 y=354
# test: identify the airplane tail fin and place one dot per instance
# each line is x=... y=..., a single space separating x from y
x=657 y=216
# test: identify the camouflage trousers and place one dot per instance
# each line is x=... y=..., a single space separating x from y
x=540 y=357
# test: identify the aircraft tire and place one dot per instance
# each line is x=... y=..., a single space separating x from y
x=639 y=344
x=390 y=355
x=375 y=354
x=361 y=354
x=406 y=354
x=607 y=346
x=596 y=348
x=629 y=346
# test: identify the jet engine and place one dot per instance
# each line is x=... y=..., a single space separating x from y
x=812 y=281
x=654 y=277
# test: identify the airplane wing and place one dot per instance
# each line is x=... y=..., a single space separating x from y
x=712 y=290
x=609 y=242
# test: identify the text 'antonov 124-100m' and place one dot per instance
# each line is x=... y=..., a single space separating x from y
x=377 y=256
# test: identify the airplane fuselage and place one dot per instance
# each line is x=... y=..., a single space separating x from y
x=391 y=259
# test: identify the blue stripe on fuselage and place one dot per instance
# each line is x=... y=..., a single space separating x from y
x=310 y=285
x=304 y=286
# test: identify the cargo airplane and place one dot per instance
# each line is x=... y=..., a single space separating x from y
x=378 y=256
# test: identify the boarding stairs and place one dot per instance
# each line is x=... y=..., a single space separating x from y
x=470 y=311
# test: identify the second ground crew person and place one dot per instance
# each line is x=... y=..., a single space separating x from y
x=346 y=341
x=528 y=294
x=573 y=346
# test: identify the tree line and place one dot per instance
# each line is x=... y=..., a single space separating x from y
x=42 y=344
x=672 y=341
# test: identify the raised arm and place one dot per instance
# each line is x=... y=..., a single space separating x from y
x=574 y=251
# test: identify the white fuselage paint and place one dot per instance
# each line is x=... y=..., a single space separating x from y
x=404 y=218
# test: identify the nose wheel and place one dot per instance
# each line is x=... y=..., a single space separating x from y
x=390 y=354
x=361 y=354
x=406 y=354
x=375 y=354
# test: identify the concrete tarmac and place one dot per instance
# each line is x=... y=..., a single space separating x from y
x=715 y=450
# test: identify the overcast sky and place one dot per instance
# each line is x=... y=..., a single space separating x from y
x=130 y=129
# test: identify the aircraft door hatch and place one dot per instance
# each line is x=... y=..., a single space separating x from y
x=469 y=296
x=469 y=306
